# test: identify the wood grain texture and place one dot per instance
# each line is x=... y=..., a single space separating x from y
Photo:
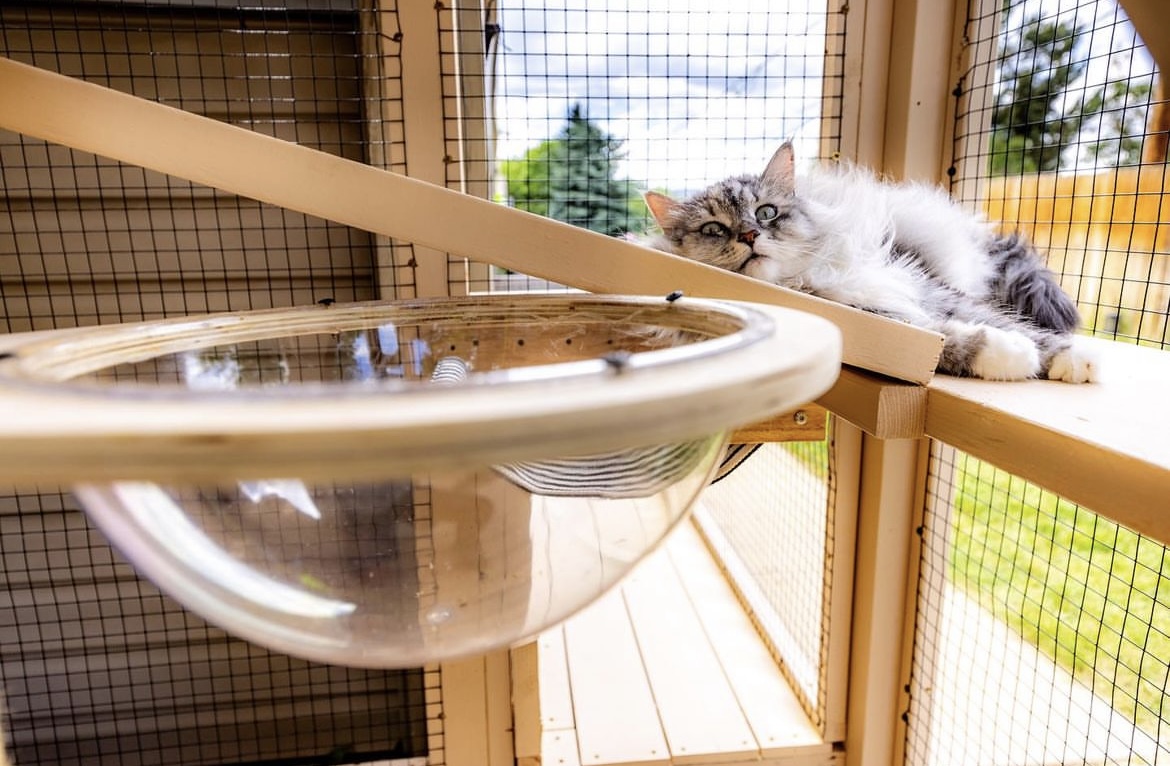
x=801 y=425
x=887 y=409
x=112 y=124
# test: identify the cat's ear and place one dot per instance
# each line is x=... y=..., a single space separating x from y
x=661 y=207
x=781 y=171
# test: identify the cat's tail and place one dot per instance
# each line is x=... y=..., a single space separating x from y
x=1023 y=284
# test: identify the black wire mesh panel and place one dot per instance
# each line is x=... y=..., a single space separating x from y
x=572 y=109
x=1061 y=134
x=98 y=667
x=85 y=240
x=1043 y=630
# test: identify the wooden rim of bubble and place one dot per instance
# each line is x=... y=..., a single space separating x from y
x=757 y=360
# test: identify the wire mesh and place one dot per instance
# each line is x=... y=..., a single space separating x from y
x=1061 y=135
x=771 y=522
x=85 y=240
x=1043 y=630
x=577 y=108
x=97 y=666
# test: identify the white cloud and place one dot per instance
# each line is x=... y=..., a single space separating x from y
x=696 y=88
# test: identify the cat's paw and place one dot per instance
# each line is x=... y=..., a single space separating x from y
x=1006 y=355
x=1074 y=365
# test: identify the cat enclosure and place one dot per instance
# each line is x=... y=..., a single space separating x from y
x=910 y=570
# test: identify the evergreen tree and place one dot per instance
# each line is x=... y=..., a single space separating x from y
x=572 y=178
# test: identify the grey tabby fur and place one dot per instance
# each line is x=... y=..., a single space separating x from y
x=905 y=251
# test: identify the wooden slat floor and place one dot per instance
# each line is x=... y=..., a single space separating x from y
x=667 y=669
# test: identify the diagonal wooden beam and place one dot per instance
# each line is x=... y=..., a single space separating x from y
x=102 y=121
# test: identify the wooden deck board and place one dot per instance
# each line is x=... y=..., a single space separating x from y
x=771 y=709
x=700 y=714
x=668 y=669
x=616 y=719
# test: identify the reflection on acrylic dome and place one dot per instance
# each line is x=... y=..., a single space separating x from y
x=473 y=552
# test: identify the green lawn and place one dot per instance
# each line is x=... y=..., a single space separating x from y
x=1093 y=596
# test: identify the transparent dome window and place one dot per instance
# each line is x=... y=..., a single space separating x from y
x=509 y=460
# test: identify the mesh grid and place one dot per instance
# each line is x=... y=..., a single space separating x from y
x=647 y=97
x=1061 y=134
x=85 y=240
x=1043 y=630
x=97 y=666
x=771 y=521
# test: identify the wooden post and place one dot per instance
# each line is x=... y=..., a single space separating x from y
x=891 y=490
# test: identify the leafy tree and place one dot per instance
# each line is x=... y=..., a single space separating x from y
x=1036 y=115
x=527 y=178
x=572 y=178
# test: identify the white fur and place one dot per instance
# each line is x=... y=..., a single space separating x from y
x=1075 y=364
x=1006 y=355
x=947 y=237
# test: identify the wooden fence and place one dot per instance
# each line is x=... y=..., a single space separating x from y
x=1107 y=234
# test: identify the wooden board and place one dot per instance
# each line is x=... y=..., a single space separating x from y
x=700 y=714
x=112 y=124
x=614 y=708
x=1103 y=445
x=777 y=722
x=803 y=425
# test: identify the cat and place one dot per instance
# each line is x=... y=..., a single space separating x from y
x=901 y=250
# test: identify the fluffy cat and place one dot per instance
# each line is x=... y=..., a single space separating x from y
x=901 y=250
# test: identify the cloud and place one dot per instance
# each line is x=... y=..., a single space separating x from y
x=691 y=86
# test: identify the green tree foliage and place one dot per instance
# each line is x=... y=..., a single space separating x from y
x=572 y=178
x=1036 y=114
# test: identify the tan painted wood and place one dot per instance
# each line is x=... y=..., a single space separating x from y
x=477 y=721
x=1102 y=445
x=777 y=721
x=616 y=716
x=465 y=732
x=422 y=121
x=70 y=435
x=889 y=485
x=802 y=425
x=700 y=713
x=919 y=89
x=1149 y=19
x=526 y=729
x=89 y=117
x=887 y=409
x=845 y=461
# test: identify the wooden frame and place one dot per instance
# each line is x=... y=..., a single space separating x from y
x=112 y=124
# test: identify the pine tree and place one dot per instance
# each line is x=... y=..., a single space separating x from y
x=572 y=178
x=583 y=188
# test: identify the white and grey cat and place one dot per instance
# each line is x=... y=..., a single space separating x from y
x=902 y=250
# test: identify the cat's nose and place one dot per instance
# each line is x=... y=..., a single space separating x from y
x=748 y=237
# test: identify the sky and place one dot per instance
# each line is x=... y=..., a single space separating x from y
x=698 y=89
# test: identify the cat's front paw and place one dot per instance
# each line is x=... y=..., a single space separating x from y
x=1006 y=355
x=1074 y=365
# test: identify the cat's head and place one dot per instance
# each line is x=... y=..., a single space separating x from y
x=754 y=225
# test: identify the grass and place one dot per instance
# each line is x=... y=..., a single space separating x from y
x=1091 y=595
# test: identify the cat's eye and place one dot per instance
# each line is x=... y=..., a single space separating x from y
x=767 y=213
x=713 y=229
